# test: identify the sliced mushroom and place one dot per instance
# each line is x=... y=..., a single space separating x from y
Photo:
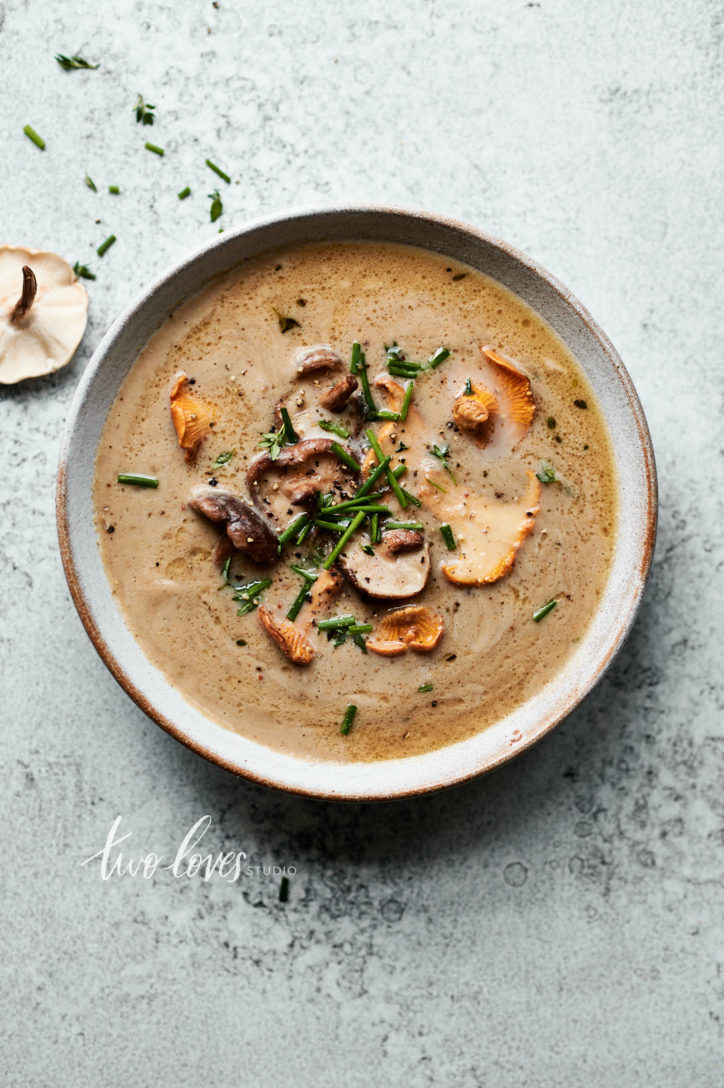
x=247 y=531
x=386 y=575
x=471 y=411
x=488 y=532
x=299 y=473
x=290 y=639
x=192 y=417
x=317 y=359
x=43 y=313
x=335 y=399
x=414 y=628
x=515 y=405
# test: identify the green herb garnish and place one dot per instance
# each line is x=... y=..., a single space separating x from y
x=403 y=525
x=137 y=479
x=367 y=549
x=358 y=366
x=308 y=577
x=406 y=405
x=401 y=448
x=32 y=135
x=468 y=388
x=249 y=595
x=114 y=190
x=441 y=452
x=343 y=540
x=293 y=528
x=216 y=206
x=69 y=63
x=285 y=323
x=155 y=149
x=223 y=458
x=348 y=719
x=346 y=458
x=290 y=435
x=186 y=191
x=544 y=610
x=425 y=687
x=438 y=357
x=547 y=473
x=91 y=184
x=447 y=535
x=105 y=246
x=436 y=485
x=333 y=428
x=218 y=171
x=83 y=271
x=144 y=112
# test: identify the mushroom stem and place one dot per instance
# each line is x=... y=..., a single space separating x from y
x=30 y=287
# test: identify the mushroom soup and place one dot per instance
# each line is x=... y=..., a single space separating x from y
x=356 y=476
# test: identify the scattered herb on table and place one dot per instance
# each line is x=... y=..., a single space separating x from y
x=69 y=63
x=114 y=190
x=91 y=184
x=105 y=246
x=82 y=271
x=144 y=112
x=155 y=149
x=33 y=135
x=218 y=171
x=186 y=191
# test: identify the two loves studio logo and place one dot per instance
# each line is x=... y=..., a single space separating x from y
x=190 y=859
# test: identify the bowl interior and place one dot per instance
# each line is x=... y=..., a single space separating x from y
x=434 y=770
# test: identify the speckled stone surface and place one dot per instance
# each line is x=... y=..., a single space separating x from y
x=559 y=922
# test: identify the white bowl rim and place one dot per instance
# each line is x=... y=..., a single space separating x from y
x=356 y=781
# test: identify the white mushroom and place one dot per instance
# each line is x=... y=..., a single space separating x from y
x=43 y=313
x=388 y=574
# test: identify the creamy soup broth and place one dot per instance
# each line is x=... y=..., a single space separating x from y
x=158 y=552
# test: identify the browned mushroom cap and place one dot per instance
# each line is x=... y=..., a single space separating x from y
x=316 y=359
x=290 y=639
x=403 y=540
x=298 y=474
x=389 y=574
x=246 y=530
x=335 y=399
x=471 y=411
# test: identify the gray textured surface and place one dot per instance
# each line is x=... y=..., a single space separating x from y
x=558 y=922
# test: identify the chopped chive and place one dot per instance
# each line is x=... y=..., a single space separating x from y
x=248 y=595
x=352 y=504
x=370 y=406
x=338 y=621
x=284 y=889
x=468 y=388
x=348 y=719
x=302 y=595
x=425 y=687
x=401 y=370
x=32 y=135
x=375 y=534
x=304 y=572
x=400 y=495
x=304 y=532
x=447 y=535
x=333 y=428
x=372 y=439
x=105 y=246
x=82 y=271
x=186 y=191
x=399 y=470
x=91 y=184
x=544 y=610
x=218 y=171
x=411 y=498
x=225 y=573
x=345 y=537
x=367 y=549
x=290 y=435
x=373 y=478
x=438 y=357
x=406 y=403
x=438 y=486
x=356 y=353
x=403 y=525
x=74 y=62
x=391 y=477
x=331 y=526
x=360 y=628
x=137 y=479
x=292 y=528
x=155 y=149
x=223 y=458
x=344 y=457
x=114 y=189
x=144 y=111
x=386 y=413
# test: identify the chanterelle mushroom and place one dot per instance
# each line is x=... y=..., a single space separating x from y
x=290 y=639
x=247 y=531
x=471 y=411
x=299 y=473
x=488 y=532
x=414 y=628
x=191 y=416
x=514 y=405
x=43 y=313
x=398 y=569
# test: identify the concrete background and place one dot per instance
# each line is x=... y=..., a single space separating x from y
x=557 y=923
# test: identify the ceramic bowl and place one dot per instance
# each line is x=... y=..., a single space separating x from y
x=398 y=777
